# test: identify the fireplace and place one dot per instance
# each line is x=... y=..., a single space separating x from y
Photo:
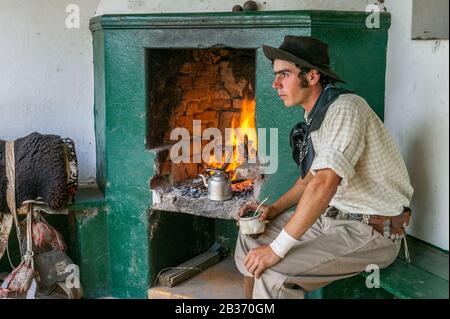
x=150 y=76
x=202 y=115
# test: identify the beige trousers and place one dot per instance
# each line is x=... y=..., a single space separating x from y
x=331 y=249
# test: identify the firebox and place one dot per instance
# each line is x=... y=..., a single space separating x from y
x=202 y=116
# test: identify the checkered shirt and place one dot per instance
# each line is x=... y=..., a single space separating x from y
x=354 y=143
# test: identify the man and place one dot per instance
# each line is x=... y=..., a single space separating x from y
x=352 y=194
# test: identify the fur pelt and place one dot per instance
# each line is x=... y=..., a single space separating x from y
x=41 y=172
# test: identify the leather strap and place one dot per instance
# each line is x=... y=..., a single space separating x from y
x=11 y=188
x=391 y=226
x=6 y=221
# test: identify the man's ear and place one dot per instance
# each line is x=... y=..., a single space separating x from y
x=313 y=77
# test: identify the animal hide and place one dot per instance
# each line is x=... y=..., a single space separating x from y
x=46 y=170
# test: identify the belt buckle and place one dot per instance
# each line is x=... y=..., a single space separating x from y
x=341 y=215
x=365 y=219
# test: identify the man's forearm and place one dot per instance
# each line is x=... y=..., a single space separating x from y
x=292 y=196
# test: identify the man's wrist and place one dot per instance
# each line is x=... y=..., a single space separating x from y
x=283 y=243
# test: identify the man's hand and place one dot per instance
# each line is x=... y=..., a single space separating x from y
x=267 y=211
x=259 y=259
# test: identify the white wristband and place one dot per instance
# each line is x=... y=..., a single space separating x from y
x=283 y=243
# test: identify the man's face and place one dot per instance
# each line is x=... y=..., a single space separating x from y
x=288 y=84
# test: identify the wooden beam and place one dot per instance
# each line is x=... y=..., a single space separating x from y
x=192 y=267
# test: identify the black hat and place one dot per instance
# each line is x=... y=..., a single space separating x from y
x=304 y=51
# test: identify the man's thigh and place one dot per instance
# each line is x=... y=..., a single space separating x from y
x=345 y=248
x=246 y=243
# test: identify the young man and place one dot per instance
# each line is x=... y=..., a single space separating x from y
x=351 y=197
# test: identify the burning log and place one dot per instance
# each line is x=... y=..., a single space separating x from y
x=240 y=186
x=245 y=148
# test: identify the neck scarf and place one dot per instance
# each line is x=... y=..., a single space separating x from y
x=300 y=136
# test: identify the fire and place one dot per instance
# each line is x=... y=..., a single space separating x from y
x=241 y=185
x=247 y=125
x=242 y=137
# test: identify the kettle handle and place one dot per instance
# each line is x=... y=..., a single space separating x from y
x=216 y=170
x=204 y=179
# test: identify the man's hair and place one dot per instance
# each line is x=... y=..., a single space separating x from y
x=324 y=79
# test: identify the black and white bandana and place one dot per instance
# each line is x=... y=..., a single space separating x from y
x=300 y=136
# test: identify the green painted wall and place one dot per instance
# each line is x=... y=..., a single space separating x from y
x=89 y=246
x=134 y=249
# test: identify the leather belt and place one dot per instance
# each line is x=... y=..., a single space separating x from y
x=392 y=227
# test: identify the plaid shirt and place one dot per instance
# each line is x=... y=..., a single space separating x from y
x=354 y=143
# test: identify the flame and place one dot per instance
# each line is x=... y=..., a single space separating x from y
x=232 y=141
x=212 y=162
x=247 y=127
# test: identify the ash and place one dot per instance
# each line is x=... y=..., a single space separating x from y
x=198 y=192
x=193 y=199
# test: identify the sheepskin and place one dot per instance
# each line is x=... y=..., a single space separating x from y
x=40 y=171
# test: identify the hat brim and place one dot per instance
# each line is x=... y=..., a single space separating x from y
x=276 y=54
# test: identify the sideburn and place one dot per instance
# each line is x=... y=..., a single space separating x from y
x=303 y=81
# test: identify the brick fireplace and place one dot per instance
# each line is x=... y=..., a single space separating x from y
x=154 y=72
x=195 y=90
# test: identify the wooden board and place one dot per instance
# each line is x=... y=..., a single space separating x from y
x=192 y=267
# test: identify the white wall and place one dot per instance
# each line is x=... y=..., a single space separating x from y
x=164 y=6
x=46 y=76
x=46 y=85
x=417 y=103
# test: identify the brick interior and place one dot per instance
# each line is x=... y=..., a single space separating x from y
x=198 y=84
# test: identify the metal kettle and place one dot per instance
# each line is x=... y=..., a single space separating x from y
x=219 y=185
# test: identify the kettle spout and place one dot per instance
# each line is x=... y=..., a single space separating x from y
x=204 y=179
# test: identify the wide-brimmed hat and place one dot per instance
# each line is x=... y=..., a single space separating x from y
x=303 y=51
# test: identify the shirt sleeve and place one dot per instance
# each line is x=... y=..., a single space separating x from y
x=341 y=142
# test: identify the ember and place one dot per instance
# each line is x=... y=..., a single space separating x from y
x=242 y=186
x=240 y=189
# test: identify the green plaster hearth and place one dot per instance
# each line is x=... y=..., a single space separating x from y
x=128 y=240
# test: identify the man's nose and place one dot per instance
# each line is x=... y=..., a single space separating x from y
x=276 y=83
